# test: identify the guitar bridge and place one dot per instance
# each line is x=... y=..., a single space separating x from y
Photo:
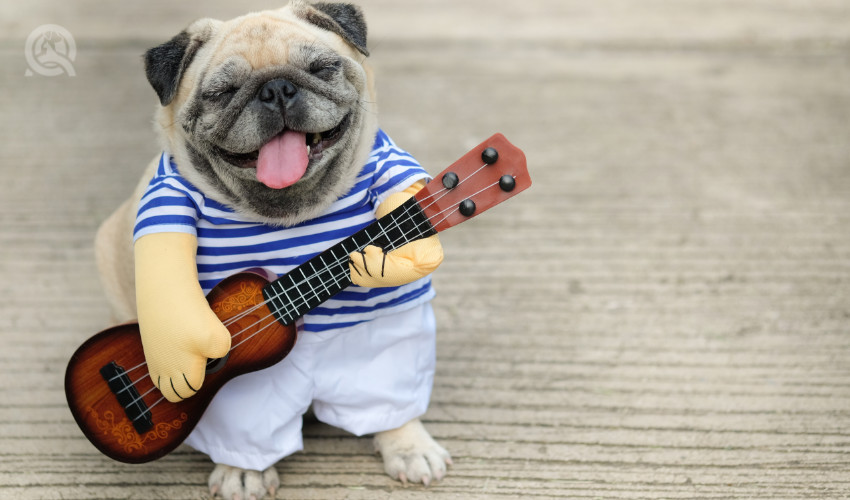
x=124 y=390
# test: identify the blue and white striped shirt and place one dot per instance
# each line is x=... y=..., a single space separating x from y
x=227 y=245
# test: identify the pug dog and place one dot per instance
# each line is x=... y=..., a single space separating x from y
x=272 y=152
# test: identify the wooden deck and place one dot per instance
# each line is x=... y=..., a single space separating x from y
x=666 y=314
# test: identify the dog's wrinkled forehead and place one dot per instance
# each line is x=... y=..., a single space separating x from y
x=264 y=41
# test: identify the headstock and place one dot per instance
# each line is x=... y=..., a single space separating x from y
x=489 y=174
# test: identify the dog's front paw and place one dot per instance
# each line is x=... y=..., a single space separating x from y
x=411 y=454
x=233 y=483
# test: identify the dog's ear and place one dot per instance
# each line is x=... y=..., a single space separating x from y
x=344 y=19
x=166 y=63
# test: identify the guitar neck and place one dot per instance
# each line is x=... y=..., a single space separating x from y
x=487 y=175
x=326 y=274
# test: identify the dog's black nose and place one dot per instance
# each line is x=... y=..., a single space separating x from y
x=278 y=92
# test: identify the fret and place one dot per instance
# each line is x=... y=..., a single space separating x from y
x=319 y=275
x=365 y=238
x=330 y=268
x=324 y=267
x=299 y=289
x=383 y=229
x=307 y=282
x=403 y=225
x=343 y=258
x=277 y=301
x=286 y=295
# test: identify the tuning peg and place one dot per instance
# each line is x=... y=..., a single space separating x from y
x=450 y=180
x=467 y=207
x=490 y=155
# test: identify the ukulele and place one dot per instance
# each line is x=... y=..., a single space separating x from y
x=107 y=385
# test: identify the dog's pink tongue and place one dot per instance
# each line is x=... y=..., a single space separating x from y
x=283 y=160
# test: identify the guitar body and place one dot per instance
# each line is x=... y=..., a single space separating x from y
x=158 y=426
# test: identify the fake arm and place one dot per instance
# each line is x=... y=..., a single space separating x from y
x=414 y=260
x=179 y=330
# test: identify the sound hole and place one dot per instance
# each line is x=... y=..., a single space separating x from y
x=214 y=365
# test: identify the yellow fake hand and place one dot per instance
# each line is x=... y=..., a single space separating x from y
x=373 y=268
x=179 y=330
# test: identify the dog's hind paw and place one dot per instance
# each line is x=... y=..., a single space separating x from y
x=411 y=454
x=233 y=483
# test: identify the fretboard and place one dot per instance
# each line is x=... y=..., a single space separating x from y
x=308 y=285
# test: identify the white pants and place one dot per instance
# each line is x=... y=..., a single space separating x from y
x=372 y=377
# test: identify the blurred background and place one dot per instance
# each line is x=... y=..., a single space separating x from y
x=666 y=313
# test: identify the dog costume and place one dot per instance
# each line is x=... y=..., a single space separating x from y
x=364 y=358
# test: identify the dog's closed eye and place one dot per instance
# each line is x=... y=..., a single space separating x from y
x=325 y=68
x=217 y=94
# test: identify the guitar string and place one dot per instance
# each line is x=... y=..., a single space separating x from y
x=443 y=191
x=274 y=320
x=343 y=260
x=340 y=262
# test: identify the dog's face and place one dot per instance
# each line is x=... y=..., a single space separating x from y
x=271 y=113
